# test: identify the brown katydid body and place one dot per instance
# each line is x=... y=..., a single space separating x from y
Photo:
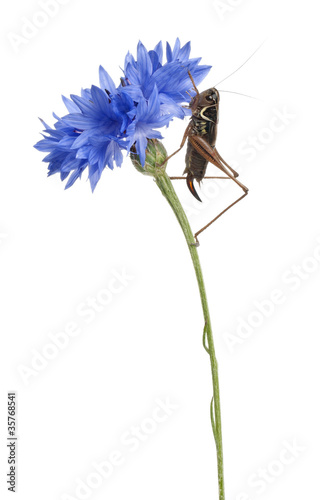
x=202 y=135
x=203 y=123
x=201 y=149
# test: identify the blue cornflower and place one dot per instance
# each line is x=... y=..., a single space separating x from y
x=91 y=135
x=106 y=120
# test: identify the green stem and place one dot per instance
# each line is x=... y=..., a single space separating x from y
x=168 y=191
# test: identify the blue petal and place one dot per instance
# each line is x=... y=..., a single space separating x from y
x=63 y=175
x=70 y=163
x=100 y=98
x=141 y=146
x=84 y=105
x=132 y=75
x=74 y=176
x=129 y=59
x=82 y=140
x=184 y=53
x=134 y=91
x=83 y=152
x=159 y=51
x=168 y=53
x=176 y=49
x=106 y=83
x=66 y=142
x=154 y=60
x=168 y=105
x=154 y=103
x=144 y=65
x=94 y=176
x=71 y=106
x=80 y=121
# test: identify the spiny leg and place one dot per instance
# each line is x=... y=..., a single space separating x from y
x=211 y=155
x=227 y=165
x=184 y=138
x=217 y=217
x=213 y=220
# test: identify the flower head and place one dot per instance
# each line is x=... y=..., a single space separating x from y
x=106 y=120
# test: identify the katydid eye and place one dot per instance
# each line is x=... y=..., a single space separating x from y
x=209 y=97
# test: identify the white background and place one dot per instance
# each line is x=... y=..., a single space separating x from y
x=60 y=247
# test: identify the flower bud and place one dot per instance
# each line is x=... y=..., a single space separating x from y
x=156 y=155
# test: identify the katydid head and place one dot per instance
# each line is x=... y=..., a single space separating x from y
x=206 y=99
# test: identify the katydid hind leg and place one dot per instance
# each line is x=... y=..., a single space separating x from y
x=210 y=155
x=216 y=218
x=226 y=164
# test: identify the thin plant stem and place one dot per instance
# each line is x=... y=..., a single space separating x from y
x=166 y=187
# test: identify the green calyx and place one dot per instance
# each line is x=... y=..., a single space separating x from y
x=155 y=163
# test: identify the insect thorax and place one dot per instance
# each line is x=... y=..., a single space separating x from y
x=209 y=113
x=204 y=128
